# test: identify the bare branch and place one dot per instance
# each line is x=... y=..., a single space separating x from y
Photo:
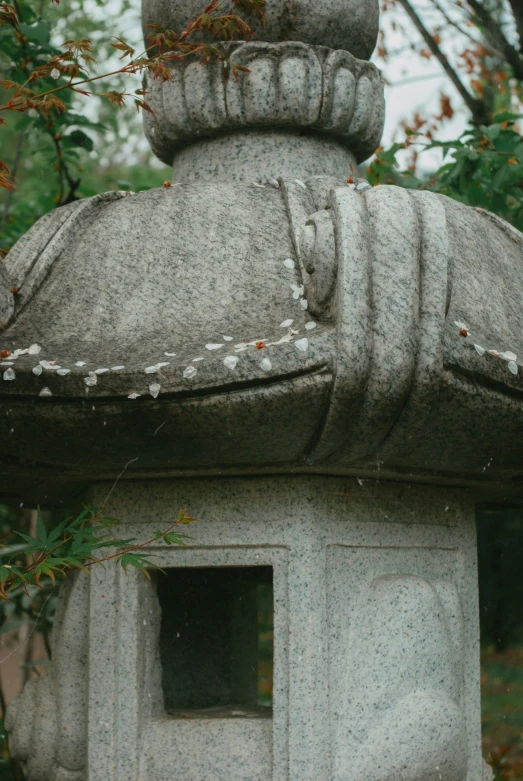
x=497 y=36
x=475 y=106
x=452 y=23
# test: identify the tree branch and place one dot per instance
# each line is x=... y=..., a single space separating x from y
x=497 y=36
x=475 y=106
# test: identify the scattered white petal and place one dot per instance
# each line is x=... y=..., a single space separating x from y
x=9 y=374
x=6 y=363
x=288 y=263
x=117 y=368
x=199 y=358
x=134 y=395
x=101 y=371
x=91 y=379
x=34 y=349
x=304 y=303
x=63 y=372
x=311 y=324
x=231 y=361
x=299 y=181
x=80 y=363
x=257 y=184
x=189 y=372
x=37 y=370
x=297 y=291
x=18 y=352
x=46 y=364
x=151 y=369
x=163 y=363
x=461 y=325
x=266 y=364
x=493 y=352
x=240 y=347
x=55 y=73
x=286 y=323
x=273 y=183
x=478 y=348
x=508 y=356
x=213 y=346
x=46 y=392
x=512 y=367
x=284 y=339
x=170 y=355
x=302 y=344
x=154 y=390
x=227 y=338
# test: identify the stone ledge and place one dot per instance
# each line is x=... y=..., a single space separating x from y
x=289 y=85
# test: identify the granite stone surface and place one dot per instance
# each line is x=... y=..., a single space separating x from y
x=292 y=325
x=343 y=24
x=287 y=86
x=375 y=636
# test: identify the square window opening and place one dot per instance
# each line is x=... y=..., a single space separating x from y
x=217 y=640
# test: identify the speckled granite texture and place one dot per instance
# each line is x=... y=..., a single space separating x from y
x=343 y=24
x=297 y=325
x=292 y=86
x=376 y=636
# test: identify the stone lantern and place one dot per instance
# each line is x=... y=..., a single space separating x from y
x=324 y=373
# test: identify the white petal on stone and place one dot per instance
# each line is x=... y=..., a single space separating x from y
x=240 y=347
x=286 y=323
x=63 y=372
x=18 y=352
x=461 y=325
x=80 y=363
x=299 y=181
x=212 y=346
x=46 y=364
x=288 y=263
x=46 y=392
x=493 y=352
x=101 y=371
x=189 y=372
x=6 y=363
x=284 y=339
x=227 y=338
x=117 y=368
x=257 y=184
x=163 y=363
x=478 y=348
x=297 y=291
x=170 y=355
x=511 y=365
x=91 y=379
x=304 y=303
x=508 y=356
x=311 y=324
x=55 y=73
x=154 y=390
x=266 y=364
x=199 y=358
x=37 y=370
x=273 y=183
x=9 y=375
x=34 y=349
x=231 y=361
x=302 y=344
x=151 y=369
x=134 y=395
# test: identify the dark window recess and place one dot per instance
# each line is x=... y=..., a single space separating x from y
x=216 y=638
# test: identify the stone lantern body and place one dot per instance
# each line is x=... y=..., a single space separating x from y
x=324 y=373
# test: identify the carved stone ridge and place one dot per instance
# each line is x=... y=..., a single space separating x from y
x=291 y=86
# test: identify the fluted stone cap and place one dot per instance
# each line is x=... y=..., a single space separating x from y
x=288 y=86
x=351 y=25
